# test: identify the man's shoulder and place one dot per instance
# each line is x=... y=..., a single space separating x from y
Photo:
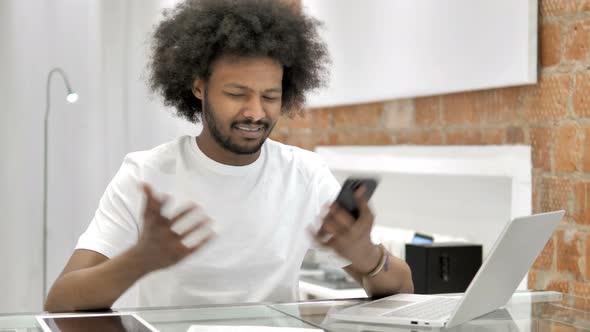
x=307 y=162
x=158 y=156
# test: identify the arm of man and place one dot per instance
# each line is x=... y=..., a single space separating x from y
x=90 y=280
x=396 y=277
x=351 y=239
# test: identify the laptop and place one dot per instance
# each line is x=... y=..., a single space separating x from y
x=507 y=263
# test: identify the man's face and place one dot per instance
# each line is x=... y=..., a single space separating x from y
x=241 y=102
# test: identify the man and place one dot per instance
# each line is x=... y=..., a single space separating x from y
x=237 y=66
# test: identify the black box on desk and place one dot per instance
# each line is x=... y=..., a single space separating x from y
x=445 y=267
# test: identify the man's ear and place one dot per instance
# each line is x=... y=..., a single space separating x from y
x=198 y=88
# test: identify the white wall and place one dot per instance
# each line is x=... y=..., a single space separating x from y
x=21 y=105
x=406 y=48
x=101 y=45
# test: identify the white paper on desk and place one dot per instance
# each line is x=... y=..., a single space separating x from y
x=226 y=328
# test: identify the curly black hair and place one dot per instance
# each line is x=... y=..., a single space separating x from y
x=197 y=32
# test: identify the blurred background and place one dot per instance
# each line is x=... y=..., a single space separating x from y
x=471 y=113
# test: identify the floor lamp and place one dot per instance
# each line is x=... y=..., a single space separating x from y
x=71 y=97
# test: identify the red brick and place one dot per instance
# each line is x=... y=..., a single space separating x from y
x=299 y=121
x=420 y=137
x=567 y=148
x=550 y=40
x=493 y=136
x=557 y=7
x=559 y=327
x=582 y=203
x=398 y=114
x=568 y=252
x=532 y=280
x=555 y=193
x=561 y=286
x=427 y=111
x=361 y=138
x=321 y=118
x=578 y=40
x=586 y=159
x=582 y=294
x=464 y=137
x=459 y=108
x=514 y=135
x=587 y=258
x=537 y=189
x=545 y=259
x=585 y=6
x=548 y=100
x=281 y=125
x=320 y=138
x=497 y=105
x=302 y=140
x=486 y=106
x=318 y=118
x=358 y=116
x=582 y=95
x=542 y=325
x=540 y=142
x=278 y=136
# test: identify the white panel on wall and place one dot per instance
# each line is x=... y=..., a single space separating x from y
x=389 y=49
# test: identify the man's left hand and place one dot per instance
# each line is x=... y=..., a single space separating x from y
x=351 y=238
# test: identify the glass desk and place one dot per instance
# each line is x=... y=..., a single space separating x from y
x=526 y=311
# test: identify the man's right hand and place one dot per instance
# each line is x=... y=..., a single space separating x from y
x=159 y=246
x=91 y=280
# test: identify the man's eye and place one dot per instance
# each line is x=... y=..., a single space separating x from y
x=234 y=94
x=270 y=98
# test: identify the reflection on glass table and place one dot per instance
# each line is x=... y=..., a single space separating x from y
x=526 y=311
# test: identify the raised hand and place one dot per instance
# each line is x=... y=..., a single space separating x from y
x=160 y=246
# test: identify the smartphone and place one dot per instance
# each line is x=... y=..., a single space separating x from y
x=346 y=196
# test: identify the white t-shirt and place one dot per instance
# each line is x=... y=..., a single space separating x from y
x=262 y=214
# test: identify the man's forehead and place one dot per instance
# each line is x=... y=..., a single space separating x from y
x=247 y=72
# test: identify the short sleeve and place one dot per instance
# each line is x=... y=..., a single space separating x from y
x=326 y=190
x=115 y=226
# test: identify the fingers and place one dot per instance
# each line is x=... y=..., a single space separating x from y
x=183 y=213
x=201 y=243
x=365 y=215
x=337 y=221
x=339 y=227
x=199 y=225
x=153 y=204
x=322 y=236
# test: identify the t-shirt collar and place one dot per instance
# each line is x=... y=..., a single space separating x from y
x=218 y=167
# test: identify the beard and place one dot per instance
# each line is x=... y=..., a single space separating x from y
x=225 y=141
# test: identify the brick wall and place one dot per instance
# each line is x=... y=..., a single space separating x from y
x=552 y=116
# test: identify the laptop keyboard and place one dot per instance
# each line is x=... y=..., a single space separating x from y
x=431 y=309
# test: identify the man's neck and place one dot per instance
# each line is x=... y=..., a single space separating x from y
x=214 y=151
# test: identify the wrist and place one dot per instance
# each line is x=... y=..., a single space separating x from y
x=139 y=261
x=370 y=260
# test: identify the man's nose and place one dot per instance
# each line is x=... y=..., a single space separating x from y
x=253 y=109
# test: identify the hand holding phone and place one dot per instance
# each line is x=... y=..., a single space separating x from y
x=346 y=198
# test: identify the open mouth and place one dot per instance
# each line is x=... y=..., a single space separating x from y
x=250 y=131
